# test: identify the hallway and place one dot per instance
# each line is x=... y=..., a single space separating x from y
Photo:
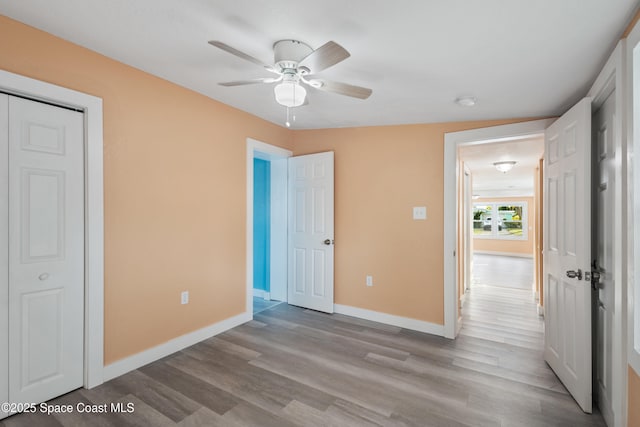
x=503 y=271
x=500 y=321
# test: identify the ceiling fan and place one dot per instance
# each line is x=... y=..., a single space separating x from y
x=296 y=62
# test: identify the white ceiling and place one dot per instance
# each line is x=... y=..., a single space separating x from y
x=519 y=58
x=488 y=181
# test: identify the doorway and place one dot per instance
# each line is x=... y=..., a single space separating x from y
x=498 y=214
x=612 y=363
x=267 y=214
x=301 y=233
x=453 y=141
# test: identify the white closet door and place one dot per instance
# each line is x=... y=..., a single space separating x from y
x=46 y=250
x=4 y=251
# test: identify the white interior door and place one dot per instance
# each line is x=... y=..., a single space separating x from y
x=603 y=254
x=46 y=250
x=567 y=204
x=311 y=236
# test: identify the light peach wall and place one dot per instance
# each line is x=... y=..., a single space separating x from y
x=634 y=399
x=519 y=247
x=174 y=165
x=380 y=174
x=174 y=174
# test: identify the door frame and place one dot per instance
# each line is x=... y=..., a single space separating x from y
x=91 y=106
x=452 y=141
x=270 y=152
x=610 y=79
x=467 y=227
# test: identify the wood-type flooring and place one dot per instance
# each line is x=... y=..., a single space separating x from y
x=503 y=271
x=296 y=367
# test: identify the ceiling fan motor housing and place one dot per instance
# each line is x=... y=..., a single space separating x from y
x=288 y=53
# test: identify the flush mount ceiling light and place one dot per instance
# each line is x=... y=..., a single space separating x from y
x=504 y=167
x=466 y=101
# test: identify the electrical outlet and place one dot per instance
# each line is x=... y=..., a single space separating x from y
x=369 y=280
x=184 y=297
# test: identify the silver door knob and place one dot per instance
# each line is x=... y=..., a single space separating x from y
x=328 y=242
x=43 y=276
x=575 y=274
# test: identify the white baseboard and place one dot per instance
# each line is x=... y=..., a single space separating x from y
x=540 y=310
x=390 y=319
x=504 y=254
x=259 y=293
x=130 y=363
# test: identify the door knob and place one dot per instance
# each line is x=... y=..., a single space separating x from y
x=328 y=242
x=43 y=276
x=574 y=274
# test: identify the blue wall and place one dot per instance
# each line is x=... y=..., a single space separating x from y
x=261 y=223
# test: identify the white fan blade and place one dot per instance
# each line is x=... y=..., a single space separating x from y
x=249 y=82
x=240 y=54
x=338 y=87
x=325 y=56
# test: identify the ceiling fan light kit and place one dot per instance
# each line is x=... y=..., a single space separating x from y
x=295 y=63
x=290 y=94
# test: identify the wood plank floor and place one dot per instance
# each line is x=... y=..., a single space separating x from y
x=295 y=367
x=260 y=304
x=503 y=271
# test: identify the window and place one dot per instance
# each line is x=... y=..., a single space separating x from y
x=500 y=220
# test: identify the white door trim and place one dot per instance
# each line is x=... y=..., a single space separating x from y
x=94 y=208
x=272 y=152
x=451 y=143
x=632 y=118
x=610 y=79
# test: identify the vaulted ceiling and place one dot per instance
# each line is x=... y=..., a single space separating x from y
x=518 y=58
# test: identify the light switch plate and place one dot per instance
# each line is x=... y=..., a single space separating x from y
x=420 y=212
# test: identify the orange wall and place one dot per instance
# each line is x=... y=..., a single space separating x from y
x=174 y=177
x=634 y=399
x=174 y=167
x=380 y=174
x=519 y=247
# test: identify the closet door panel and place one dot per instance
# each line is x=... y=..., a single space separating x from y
x=46 y=250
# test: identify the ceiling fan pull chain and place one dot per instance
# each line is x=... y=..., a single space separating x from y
x=287 y=124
